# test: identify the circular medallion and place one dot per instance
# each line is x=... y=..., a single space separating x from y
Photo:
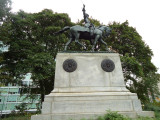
x=69 y=65
x=107 y=65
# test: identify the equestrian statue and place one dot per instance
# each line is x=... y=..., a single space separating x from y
x=86 y=32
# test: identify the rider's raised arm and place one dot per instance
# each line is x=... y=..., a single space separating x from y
x=83 y=8
x=84 y=11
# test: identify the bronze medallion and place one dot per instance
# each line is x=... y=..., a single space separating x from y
x=69 y=65
x=107 y=65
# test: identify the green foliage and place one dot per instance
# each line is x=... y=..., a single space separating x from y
x=155 y=106
x=152 y=107
x=18 y=118
x=32 y=47
x=155 y=103
x=22 y=107
x=151 y=81
x=5 y=7
x=136 y=59
x=112 y=116
x=126 y=40
x=145 y=118
x=157 y=115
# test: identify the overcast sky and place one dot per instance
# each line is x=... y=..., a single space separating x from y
x=144 y=15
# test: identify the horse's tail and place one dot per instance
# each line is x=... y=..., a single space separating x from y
x=62 y=30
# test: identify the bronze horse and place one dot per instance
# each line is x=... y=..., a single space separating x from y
x=79 y=32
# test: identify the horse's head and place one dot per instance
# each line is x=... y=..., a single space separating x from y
x=108 y=30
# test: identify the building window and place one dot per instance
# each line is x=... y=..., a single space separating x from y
x=12 y=99
x=12 y=92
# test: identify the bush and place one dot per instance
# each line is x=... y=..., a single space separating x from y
x=17 y=118
x=152 y=107
x=113 y=116
x=155 y=106
x=144 y=118
x=157 y=115
x=156 y=103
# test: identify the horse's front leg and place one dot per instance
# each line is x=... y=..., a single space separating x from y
x=95 y=41
x=104 y=44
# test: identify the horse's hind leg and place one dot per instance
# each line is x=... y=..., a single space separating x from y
x=81 y=44
x=66 y=45
x=76 y=40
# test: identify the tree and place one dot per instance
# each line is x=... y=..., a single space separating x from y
x=5 y=7
x=151 y=85
x=33 y=47
x=135 y=56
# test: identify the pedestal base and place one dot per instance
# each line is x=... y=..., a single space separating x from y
x=89 y=91
x=88 y=116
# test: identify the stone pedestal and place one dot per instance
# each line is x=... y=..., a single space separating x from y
x=88 y=91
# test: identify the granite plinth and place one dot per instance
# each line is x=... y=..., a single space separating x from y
x=89 y=91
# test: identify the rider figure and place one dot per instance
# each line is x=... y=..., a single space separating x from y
x=88 y=24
